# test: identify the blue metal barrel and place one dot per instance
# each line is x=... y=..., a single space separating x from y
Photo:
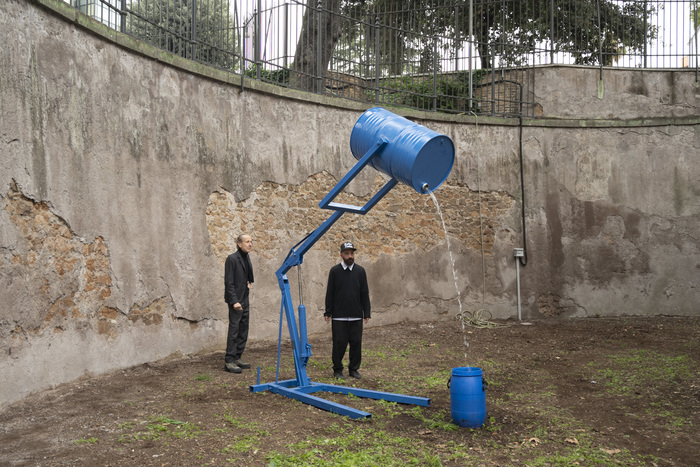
x=415 y=155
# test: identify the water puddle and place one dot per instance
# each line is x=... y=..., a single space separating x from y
x=454 y=273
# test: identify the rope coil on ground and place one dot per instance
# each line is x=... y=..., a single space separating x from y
x=478 y=319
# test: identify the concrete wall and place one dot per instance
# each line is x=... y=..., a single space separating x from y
x=126 y=173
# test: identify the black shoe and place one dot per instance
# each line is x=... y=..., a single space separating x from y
x=355 y=374
x=241 y=364
x=338 y=375
x=232 y=368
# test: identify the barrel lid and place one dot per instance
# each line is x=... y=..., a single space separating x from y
x=467 y=371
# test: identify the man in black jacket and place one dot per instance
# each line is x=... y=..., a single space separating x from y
x=238 y=276
x=348 y=308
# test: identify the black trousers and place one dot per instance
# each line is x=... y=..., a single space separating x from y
x=238 y=323
x=344 y=333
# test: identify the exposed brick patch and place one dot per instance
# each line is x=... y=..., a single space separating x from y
x=549 y=304
x=73 y=276
x=278 y=215
x=150 y=314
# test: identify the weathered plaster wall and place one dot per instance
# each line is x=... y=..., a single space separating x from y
x=624 y=93
x=125 y=180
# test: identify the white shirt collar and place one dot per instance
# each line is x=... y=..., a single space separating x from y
x=345 y=266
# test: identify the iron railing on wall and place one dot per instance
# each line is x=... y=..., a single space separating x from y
x=465 y=56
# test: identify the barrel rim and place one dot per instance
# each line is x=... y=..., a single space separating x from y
x=467 y=371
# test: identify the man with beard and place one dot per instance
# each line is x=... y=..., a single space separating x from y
x=347 y=308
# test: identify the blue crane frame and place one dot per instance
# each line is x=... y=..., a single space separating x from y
x=301 y=388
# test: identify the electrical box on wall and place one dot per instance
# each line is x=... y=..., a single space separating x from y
x=518 y=252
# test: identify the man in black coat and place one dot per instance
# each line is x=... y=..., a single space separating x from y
x=238 y=276
x=348 y=308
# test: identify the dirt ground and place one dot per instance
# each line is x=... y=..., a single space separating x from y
x=618 y=391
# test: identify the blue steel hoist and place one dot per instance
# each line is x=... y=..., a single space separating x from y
x=408 y=153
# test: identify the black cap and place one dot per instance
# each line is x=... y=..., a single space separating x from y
x=347 y=246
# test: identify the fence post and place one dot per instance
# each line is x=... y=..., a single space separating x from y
x=645 y=33
x=493 y=80
x=242 y=43
x=471 y=43
x=256 y=41
x=193 y=30
x=122 y=13
x=457 y=39
x=600 y=43
x=368 y=35
x=319 y=44
x=376 y=59
x=286 y=35
x=551 y=31
x=435 y=72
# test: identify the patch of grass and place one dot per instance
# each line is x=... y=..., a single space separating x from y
x=634 y=371
x=248 y=438
x=203 y=377
x=126 y=425
x=491 y=425
x=584 y=454
x=240 y=423
x=437 y=380
x=320 y=365
x=162 y=426
x=85 y=441
x=391 y=409
x=399 y=386
x=436 y=422
x=355 y=446
x=235 y=422
x=673 y=421
x=244 y=443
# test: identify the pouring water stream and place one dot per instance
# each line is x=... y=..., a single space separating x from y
x=454 y=272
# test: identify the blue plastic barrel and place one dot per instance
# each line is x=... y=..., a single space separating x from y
x=415 y=155
x=468 y=397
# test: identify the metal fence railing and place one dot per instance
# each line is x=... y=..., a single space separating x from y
x=441 y=55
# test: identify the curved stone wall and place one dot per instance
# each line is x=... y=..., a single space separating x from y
x=126 y=174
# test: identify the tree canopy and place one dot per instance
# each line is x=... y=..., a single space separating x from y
x=199 y=30
x=510 y=30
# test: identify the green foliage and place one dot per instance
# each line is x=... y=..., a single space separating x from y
x=449 y=94
x=92 y=440
x=279 y=76
x=203 y=377
x=511 y=30
x=207 y=34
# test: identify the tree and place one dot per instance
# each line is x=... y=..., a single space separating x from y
x=199 y=30
x=399 y=33
x=320 y=32
x=511 y=29
x=695 y=21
